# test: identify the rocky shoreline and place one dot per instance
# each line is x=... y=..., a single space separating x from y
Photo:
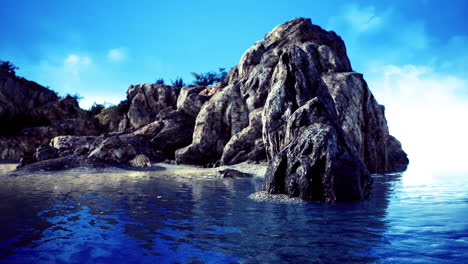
x=292 y=102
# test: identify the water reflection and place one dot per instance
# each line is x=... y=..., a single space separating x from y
x=162 y=217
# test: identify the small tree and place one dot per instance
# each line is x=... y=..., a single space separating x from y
x=178 y=83
x=8 y=67
x=76 y=96
x=159 y=81
x=205 y=79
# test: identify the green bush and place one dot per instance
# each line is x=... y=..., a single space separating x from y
x=209 y=78
x=178 y=83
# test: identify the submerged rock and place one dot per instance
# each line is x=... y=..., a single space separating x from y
x=230 y=173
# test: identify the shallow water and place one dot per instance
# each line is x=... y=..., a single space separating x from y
x=170 y=217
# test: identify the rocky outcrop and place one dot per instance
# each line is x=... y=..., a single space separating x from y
x=19 y=96
x=295 y=58
x=247 y=119
x=293 y=100
x=26 y=104
x=31 y=115
x=173 y=129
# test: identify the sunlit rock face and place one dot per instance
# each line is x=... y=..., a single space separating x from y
x=248 y=118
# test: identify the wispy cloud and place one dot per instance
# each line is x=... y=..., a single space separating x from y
x=117 y=55
x=359 y=19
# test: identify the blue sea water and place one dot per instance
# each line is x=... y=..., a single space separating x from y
x=162 y=217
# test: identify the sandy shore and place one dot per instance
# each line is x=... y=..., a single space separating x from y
x=258 y=170
x=7 y=169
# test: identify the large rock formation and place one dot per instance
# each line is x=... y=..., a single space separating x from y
x=248 y=118
x=293 y=100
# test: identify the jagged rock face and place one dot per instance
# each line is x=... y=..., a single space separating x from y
x=173 y=129
x=317 y=162
x=190 y=100
x=291 y=67
x=248 y=85
x=363 y=120
x=294 y=63
x=147 y=100
x=20 y=96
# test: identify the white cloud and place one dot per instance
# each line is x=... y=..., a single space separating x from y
x=74 y=64
x=427 y=112
x=91 y=98
x=117 y=55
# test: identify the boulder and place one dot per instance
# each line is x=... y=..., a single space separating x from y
x=140 y=161
x=72 y=143
x=112 y=150
x=45 y=152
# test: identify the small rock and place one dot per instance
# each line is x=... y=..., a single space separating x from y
x=140 y=161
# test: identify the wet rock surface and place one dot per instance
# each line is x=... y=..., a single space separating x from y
x=230 y=173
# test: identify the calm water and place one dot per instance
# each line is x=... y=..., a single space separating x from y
x=162 y=217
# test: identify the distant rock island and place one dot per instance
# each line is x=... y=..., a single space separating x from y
x=293 y=101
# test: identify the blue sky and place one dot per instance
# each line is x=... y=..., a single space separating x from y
x=414 y=54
